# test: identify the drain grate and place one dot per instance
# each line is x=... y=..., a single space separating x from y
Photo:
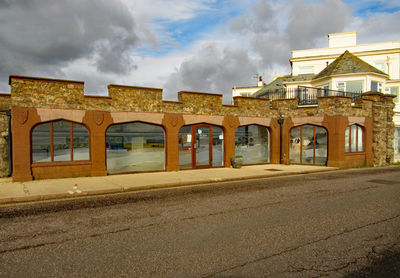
x=273 y=170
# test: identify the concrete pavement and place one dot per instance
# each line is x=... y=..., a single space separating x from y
x=17 y=192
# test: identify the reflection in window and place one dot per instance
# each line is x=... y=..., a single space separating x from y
x=354 y=139
x=80 y=142
x=308 y=145
x=217 y=146
x=396 y=144
x=252 y=142
x=52 y=142
x=62 y=141
x=41 y=145
x=135 y=147
x=185 y=147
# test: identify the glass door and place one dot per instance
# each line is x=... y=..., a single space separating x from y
x=202 y=153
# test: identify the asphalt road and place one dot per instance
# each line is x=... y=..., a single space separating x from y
x=335 y=224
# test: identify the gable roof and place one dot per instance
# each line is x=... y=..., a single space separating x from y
x=347 y=63
x=278 y=83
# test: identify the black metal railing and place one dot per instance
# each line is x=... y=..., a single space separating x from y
x=307 y=95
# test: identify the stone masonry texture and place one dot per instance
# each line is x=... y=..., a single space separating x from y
x=64 y=94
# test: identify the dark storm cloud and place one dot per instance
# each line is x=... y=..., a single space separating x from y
x=212 y=70
x=40 y=36
x=304 y=23
x=271 y=34
x=312 y=21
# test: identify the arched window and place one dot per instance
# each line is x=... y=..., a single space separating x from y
x=354 y=139
x=135 y=147
x=308 y=145
x=252 y=142
x=60 y=141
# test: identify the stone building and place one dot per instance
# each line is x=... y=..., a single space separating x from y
x=57 y=131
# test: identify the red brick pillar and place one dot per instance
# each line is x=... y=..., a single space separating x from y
x=230 y=124
x=98 y=122
x=172 y=124
x=274 y=142
x=23 y=119
x=336 y=127
x=286 y=127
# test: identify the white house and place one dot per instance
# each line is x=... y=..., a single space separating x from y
x=247 y=91
x=347 y=66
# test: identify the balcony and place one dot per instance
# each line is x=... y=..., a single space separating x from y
x=307 y=95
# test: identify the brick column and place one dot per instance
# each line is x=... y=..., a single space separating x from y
x=172 y=124
x=22 y=121
x=336 y=127
x=230 y=124
x=98 y=122
x=274 y=142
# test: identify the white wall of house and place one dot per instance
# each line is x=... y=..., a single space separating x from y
x=244 y=91
x=384 y=56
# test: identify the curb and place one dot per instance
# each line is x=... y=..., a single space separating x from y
x=174 y=185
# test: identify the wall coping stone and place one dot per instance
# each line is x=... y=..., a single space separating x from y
x=132 y=87
x=42 y=79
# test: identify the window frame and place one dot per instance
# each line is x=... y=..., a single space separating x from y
x=351 y=147
x=71 y=143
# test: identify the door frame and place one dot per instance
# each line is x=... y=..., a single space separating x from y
x=210 y=146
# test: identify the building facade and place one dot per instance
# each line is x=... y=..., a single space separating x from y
x=57 y=131
x=377 y=69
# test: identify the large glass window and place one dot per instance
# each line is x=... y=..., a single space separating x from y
x=52 y=142
x=252 y=142
x=354 y=141
x=201 y=146
x=308 y=145
x=396 y=144
x=135 y=147
x=185 y=147
x=217 y=146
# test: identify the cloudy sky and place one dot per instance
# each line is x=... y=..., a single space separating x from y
x=196 y=45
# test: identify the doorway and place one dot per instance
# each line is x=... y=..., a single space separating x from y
x=201 y=146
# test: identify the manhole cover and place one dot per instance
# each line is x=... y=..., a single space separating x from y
x=272 y=170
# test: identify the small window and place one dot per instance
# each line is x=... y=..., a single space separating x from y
x=341 y=86
x=376 y=86
x=354 y=139
x=60 y=141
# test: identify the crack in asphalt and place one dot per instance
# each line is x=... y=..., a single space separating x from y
x=291 y=249
x=321 y=192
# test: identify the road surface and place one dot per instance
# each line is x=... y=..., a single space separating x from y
x=334 y=224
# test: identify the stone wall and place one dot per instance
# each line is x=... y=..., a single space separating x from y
x=35 y=100
x=4 y=156
x=53 y=93
x=383 y=127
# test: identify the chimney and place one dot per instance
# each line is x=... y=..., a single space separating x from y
x=260 y=82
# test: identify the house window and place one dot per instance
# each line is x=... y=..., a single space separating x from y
x=341 y=86
x=355 y=86
x=376 y=86
x=60 y=141
x=354 y=141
